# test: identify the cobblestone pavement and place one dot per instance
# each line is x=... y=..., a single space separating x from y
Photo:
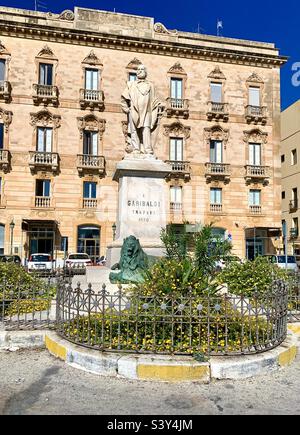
x=34 y=382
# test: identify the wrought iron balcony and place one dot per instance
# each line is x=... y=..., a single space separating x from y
x=256 y=173
x=255 y=209
x=45 y=94
x=89 y=203
x=179 y=169
x=90 y=162
x=256 y=114
x=42 y=201
x=177 y=107
x=91 y=98
x=216 y=208
x=175 y=206
x=217 y=171
x=4 y=160
x=40 y=160
x=5 y=91
x=293 y=206
x=217 y=111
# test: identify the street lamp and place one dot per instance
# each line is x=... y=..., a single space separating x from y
x=114 y=227
x=11 y=226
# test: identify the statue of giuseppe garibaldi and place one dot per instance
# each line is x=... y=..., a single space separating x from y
x=143 y=108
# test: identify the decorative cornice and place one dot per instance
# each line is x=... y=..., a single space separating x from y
x=255 y=135
x=160 y=28
x=177 y=129
x=177 y=69
x=134 y=44
x=134 y=63
x=45 y=118
x=217 y=74
x=6 y=117
x=92 y=59
x=216 y=132
x=46 y=52
x=92 y=122
x=3 y=49
x=255 y=78
x=67 y=15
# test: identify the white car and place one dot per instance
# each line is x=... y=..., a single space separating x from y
x=78 y=261
x=40 y=263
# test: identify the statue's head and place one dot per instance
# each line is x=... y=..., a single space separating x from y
x=141 y=72
x=131 y=246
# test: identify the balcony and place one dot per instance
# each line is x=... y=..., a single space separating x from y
x=5 y=91
x=90 y=163
x=45 y=94
x=216 y=208
x=256 y=114
x=177 y=107
x=255 y=209
x=217 y=111
x=91 y=98
x=179 y=169
x=175 y=207
x=89 y=203
x=43 y=161
x=293 y=205
x=4 y=160
x=219 y=171
x=257 y=173
x=42 y=202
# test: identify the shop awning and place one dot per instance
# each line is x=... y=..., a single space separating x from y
x=27 y=223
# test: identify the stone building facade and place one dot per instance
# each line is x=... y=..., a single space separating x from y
x=290 y=164
x=63 y=130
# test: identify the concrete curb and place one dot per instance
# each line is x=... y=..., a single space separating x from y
x=172 y=368
x=16 y=340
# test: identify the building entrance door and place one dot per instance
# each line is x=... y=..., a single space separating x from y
x=89 y=241
x=254 y=247
x=41 y=240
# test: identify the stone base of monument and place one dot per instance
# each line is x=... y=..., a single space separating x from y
x=97 y=276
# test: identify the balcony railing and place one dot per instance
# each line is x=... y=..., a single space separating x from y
x=217 y=170
x=91 y=98
x=177 y=107
x=45 y=94
x=89 y=203
x=255 y=172
x=4 y=160
x=256 y=114
x=5 y=90
x=217 y=111
x=216 y=208
x=179 y=168
x=39 y=159
x=91 y=163
x=293 y=206
x=175 y=206
x=42 y=201
x=255 y=209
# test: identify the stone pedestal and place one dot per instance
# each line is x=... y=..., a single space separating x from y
x=143 y=199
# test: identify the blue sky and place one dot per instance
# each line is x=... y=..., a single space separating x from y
x=258 y=20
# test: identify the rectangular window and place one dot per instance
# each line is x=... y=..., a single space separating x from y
x=176 y=149
x=91 y=79
x=216 y=92
x=294 y=157
x=283 y=195
x=89 y=190
x=132 y=76
x=176 y=194
x=2 y=70
x=90 y=143
x=42 y=188
x=216 y=151
x=215 y=196
x=254 y=197
x=1 y=136
x=295 y=227
x=295 y=194
x=255 y=154
x=46 y=74
x=44 y=139
x=254 y=96
x=176 y=88
x=282 y=158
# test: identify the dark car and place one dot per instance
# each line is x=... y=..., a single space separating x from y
x=10 y=259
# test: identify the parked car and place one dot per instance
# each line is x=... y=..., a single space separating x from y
x=280 y=261
x=77 y=262
x=10 y=259
x=40 y=263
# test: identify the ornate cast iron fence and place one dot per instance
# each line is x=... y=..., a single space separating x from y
x=187 y=324
x=294 y=298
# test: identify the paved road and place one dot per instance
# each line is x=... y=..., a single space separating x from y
x=33 y=382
